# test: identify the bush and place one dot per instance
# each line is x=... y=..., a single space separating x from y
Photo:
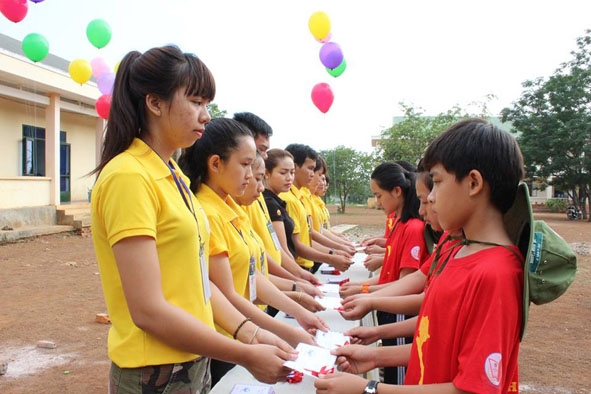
x=556 y=204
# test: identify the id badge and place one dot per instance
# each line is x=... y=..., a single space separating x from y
x=252 y=285
x=204 y=274
x=273 y=235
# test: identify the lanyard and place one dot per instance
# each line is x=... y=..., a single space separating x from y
x=461 y=241
x=182 y=187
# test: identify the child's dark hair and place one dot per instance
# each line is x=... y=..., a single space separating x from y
x=255 y=123
x=160 y=72
x=389 y=175
x=431 y=236
x=221 y=137
x=423 y=175
x=274 y=156
x=300 y=153
x=475 y=144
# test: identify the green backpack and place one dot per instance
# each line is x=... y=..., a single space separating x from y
x=550 y=264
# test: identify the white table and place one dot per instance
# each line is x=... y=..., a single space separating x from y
x=356 y=273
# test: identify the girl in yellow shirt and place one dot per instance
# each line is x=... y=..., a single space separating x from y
x=151 y=238
x=219 y=166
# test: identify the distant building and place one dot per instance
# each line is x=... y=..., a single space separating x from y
x=51 y=134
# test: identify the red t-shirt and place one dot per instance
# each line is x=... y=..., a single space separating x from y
x=469 y=324
x=405 y=247
x=390 y=219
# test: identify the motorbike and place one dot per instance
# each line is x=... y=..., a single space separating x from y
x=574 y=213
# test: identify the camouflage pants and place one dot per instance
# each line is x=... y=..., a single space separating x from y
x=191 y=377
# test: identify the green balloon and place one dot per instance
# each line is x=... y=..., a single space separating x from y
x=99 y=33
x=335 y=72
x=35 y=46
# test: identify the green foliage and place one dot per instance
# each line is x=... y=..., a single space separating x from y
x=556 y=204
x=407 y=140
x=553 y=122
x=349 y=171
x=215 y=112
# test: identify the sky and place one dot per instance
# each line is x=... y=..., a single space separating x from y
x=429 y=54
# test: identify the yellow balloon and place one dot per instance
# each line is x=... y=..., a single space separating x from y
x=319 y=25
x=80 y=70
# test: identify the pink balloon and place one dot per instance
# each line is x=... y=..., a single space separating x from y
x=331 y=55
x=103 y=106
x=322 y=96
x=14 y=10
x=105 y=82
x=325 y=39
x=99 y=66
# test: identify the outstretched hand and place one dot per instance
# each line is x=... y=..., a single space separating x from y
x=340 y=383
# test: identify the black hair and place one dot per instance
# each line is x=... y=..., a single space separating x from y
x=255 y=123
x=423 y=175
x=406 y=165
x=221 y=137
x=160 y=72
x=475 y=144
x=274 y=156
x=300 y=153
x=320 y=165
x=389 y=175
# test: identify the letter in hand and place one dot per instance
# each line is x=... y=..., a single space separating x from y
x=355 y=359
x=354 y=308
x=266 y=363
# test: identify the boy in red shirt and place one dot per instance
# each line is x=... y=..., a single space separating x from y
x=468 y=330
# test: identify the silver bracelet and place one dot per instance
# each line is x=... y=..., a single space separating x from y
x=254 y=335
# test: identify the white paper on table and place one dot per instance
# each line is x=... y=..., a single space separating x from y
x=329 y=288
x=360 y=248
x=252 y=389
x=331 y=339
x=312 y=360
x=330 y=302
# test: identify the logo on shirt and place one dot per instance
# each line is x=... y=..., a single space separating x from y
x=492 y=368
x=278 y=212
x=414 y=252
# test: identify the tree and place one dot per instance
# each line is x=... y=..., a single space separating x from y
x=349 y=171
x=215 y=112
x=552 y=119
x=407 y=140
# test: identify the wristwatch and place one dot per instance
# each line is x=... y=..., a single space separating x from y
x=371 y=388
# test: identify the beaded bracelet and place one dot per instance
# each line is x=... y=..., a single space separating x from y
x=240 y=326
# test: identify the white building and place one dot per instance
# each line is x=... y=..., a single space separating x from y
x=50 y=135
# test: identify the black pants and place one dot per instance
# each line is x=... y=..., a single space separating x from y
x=393 y=375
x=218 y=369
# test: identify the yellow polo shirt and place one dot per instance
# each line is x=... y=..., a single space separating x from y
x=297 y=211
x=261 y=222
x=136 y=195
x=231 y=234
x=323 y=214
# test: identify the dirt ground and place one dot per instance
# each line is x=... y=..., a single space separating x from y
x=50 y=291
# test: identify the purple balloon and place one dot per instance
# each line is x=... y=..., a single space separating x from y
x=331 y=55
x=36 y=1
x=105 y=82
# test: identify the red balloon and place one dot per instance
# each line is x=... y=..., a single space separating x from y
x=322 y=96
x=14 y=10
x=103 y=106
